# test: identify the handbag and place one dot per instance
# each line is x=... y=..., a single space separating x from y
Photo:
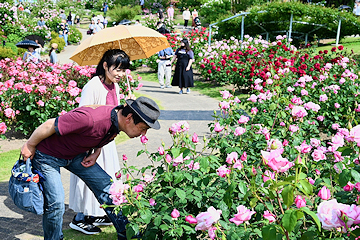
x=89 y=32
x=25 y=188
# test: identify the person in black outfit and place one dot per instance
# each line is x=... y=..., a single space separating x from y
x=160 y=13
x=69 y=19
x=161 y=28
x=183 y=76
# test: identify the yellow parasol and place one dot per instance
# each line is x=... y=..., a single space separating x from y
x=137 y=41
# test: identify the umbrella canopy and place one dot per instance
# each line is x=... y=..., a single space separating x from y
x=36 y=37
x=27 y=43
x=137 y=41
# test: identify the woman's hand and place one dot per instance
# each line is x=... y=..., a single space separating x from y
x=187 y=68
x=131 y=96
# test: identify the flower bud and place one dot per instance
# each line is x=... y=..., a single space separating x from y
x=253 y=171
x=175 y=214
x=162 y=143
x=190 y=219
x=118 y=175
x=298 y=160
x=124 y=157
x=274 y=145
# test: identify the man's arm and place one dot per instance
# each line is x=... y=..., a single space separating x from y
x=45 y=130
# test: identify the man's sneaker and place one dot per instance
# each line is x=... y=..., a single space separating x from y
x=98 y=221
x=84 y=227
x=162 y=87
x=168 y=86
x=180 y=92
x=188 y=90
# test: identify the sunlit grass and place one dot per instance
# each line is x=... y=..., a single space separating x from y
x=8 y=160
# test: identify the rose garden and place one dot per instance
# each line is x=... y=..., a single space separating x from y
x=281 y=158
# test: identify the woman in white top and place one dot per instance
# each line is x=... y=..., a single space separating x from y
x=102 y=89
x=93 y=27
x=31 y=55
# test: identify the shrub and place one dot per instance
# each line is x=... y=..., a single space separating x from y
x=6 y=52
x=75 y=35
x=53 y=23
x=60 y=42
x=119 y=13
x=54 y=34
x=12 y=46
x=14 y=38
x=214 y=10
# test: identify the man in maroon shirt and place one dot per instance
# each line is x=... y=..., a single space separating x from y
x=73 y=141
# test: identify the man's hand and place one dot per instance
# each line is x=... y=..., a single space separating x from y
x=27 y=151
x=91 y=160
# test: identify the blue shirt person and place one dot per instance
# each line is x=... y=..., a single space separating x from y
x=41 y=22
x=164 y=67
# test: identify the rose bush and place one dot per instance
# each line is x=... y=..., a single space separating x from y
x=278 y=173
x=32 y=93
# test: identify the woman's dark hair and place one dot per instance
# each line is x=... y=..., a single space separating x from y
x=187 y=45
x=52 y=49
x=127 y=109
x=115 y=58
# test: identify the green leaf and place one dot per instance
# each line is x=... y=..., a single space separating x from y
x=131 y=230
x=180 y=193
x=288 y=195
x=306 y=186
x=346 y=151
x=310 y=235
x=289 y=220
x=355 y=174
x=204 y=164
x=269 y=232
x=313 y=215
x=188 y=176
x=146 y=216
x=164 y=227
x=253 y=202
x=175 y=152
x=242 y=187
x=186 y=152
x=140 y=152
x=28 y=108
x=179 y=231
x=344 y=177
x=157 y=220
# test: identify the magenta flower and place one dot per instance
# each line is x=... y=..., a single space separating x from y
x=161 y=150
x=222 y=171
x=40 y=103
x=124 y=157
x=243 y=214
x=311 y=181
x=293 y=128
x=267 y=215
x=138 y=188
x=232 y=157
x=324 y=193
x=195 y=138
x=218 y=128
x=168 y=158
x=315 y=142
x=118 y=174
x=226 y=94
x=275 y=161
x=190 y=219
x=349 y=187
x=152 y=202
x=243 y=156
x=336 y=105
x=268 y=175
x=239 y=131
x=320 y=118
x=323 y=98
x=211 y=232
x=175 y=214
x=143 y=139
x=243 y=119
x=298 y=112
x=254 y=110
x=300 y=202
x=357 y=186
x=205 y=220
x=3 y=128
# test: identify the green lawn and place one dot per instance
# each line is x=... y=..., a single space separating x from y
x=349 y=43
x=8 y=160
x=107 y=233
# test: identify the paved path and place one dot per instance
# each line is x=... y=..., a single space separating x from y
x=18 y=224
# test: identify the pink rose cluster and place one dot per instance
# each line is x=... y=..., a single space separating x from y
x=117 y=192
x=3 y=128
x=179 y=127
x=206 y=220
x=334 y=215
x=275 y=161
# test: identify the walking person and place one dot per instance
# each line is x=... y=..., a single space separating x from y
x=64 y=31
x=170 y=13
x=74 y=141
x=105 y=8
x=102 y=89
x=183 y=76
x=52 y=53
x=186 y=16
x=164 y=67
x=69 y=19
x=99 y=24
x=194 y=15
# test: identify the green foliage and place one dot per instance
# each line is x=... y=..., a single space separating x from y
x=60 y=41
x=69 y=5
x=119 y=13
x=12 y=46
x=54 y=34
x=53 y=24
x=75 y=35
x=214 y=10
x=277 y=19
x=6 y=52
x=13 y=38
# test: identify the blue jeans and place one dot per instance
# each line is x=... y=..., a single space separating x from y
x=65 y=37
x=95 y=178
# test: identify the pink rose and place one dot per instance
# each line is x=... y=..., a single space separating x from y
x=217 y=127
x=336 y=105
x=175 y=213
x=357 y=186
x=222 y=171
x=243 y=119
x=178 y=160
x=298 y=112
x=318 y=155
x=161 y=150
x=9 y=113
x=205 y=220
x=328 y=213
x=190 y=219
x=254 y=110
x=300 y=202
x=337 y=141
x=211 y=232
x=323 y=98
x=355 y=134
x=293 y=128
x=275 y=161
x=252 y=98
x=3 y=128
x=40 y=103
x=268 y=175
x=232 y=157
x=335 y=126
x=317 y=172
x=349 y=187
x=267 y=215
x=118 y=174
x=124 y=157
x=239 y=131
x=315 y=142
x=195 y=138
x=226 y=94
x=243 y=214
x=152 y=202
x=243 y=156
x=138 y=188
x=311 y=181
x=320 y=118
x=324 y=193
x=224 y=105
x=72 y=83
x=143 y=139
x=168 y=158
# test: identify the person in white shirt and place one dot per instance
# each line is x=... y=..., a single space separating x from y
x=99 y=24
x=186 y=16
